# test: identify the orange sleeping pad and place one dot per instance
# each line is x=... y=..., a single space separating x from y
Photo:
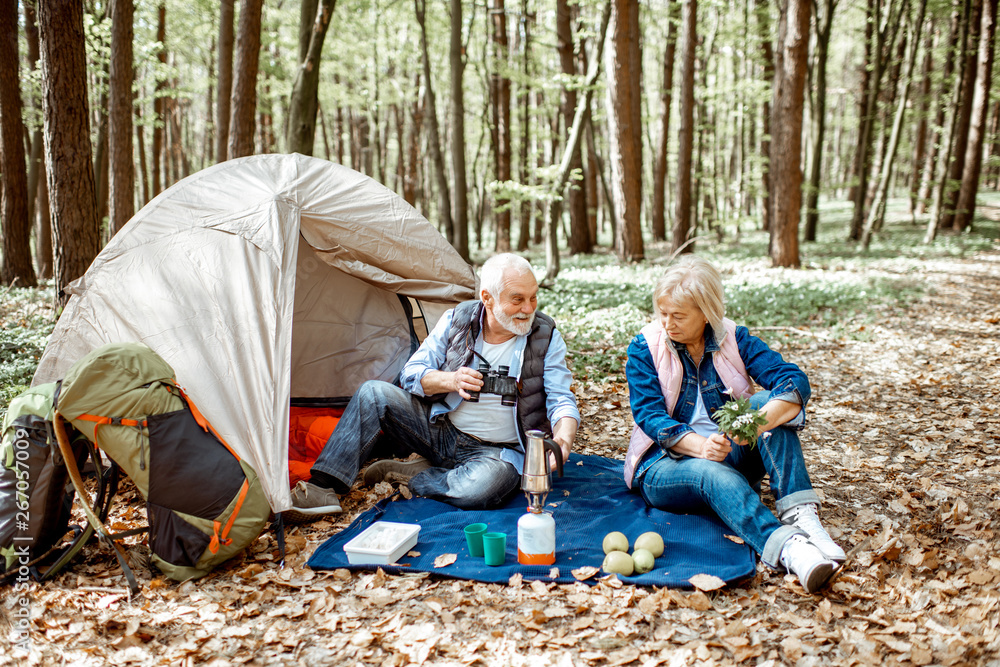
x=308 y=431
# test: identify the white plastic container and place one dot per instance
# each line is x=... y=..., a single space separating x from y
x=536 y=539
x=382 y=543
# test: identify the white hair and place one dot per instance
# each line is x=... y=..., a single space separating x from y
x=492 y=275
x=695 y=281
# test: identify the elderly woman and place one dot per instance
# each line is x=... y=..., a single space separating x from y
x=681 y=369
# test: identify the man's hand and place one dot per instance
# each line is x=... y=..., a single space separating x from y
x=463 y=381
x=563 y=434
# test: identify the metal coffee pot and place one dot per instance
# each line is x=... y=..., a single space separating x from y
x=535 y=479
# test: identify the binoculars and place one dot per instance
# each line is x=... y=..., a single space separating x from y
x=496 y=382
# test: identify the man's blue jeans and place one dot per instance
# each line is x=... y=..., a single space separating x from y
x=691 y=485
x=383 y=420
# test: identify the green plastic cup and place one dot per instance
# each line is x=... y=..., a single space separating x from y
x=495 y=548
x=474 y=538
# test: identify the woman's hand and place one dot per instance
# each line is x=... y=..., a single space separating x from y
x=716 y=447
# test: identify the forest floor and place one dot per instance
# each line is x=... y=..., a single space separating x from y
x=902 y=444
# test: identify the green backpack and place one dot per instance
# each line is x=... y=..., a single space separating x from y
x=35 y=495
x=204 y=503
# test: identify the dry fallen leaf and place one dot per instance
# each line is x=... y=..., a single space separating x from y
x=706 y=582
x=554 y=573
x=445 y=560
x=585 y=572
x=734 y=538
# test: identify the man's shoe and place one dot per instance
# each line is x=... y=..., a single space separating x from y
x=391 y=470
x=311 y=503
x=806 y=517
x=804 y=559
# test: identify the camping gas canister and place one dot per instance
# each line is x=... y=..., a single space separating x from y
x=536 y=538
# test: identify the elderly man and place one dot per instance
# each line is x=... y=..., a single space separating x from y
x=472 y=450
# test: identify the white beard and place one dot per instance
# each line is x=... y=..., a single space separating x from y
x=519 y=325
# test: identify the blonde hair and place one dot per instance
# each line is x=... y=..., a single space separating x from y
x=693 y=280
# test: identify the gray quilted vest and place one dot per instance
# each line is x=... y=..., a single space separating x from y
x=462 y=336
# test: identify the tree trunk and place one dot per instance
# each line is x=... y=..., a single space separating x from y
x=16 y=268
x=35 y=163
x=524 y=104
x=786 y=121
x=818 y=111
x=101 y=158
x=947 y=140
x=226 y=15
x=579 y=236
x=120 y=117
x=685 y=151
x=767 y=55
x=885 y=39
x=304 y=100
x=433 y=135
x=950 y=193
x=937 y=140
x=980 y=104
x=411 y=184
x=241 y=118
x=460 y=213
x=920 y=133
x=876 y=215
x=624 y=108
x=500 y=93
x=72 y=200
x=159 y=122
x=43 y=239
x=140 y=149
x=572 y=141
x=666 y=96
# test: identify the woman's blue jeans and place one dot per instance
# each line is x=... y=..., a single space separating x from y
x=383 y=420
x=691 y=485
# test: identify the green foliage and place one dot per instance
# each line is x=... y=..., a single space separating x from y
x=25 y=325
x=738 y=420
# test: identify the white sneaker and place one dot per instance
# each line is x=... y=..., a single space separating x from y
x=806 y=518
x=804 y=559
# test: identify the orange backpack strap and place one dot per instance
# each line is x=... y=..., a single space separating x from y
x=204 y=423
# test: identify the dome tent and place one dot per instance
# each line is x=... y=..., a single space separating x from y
x=264 y=280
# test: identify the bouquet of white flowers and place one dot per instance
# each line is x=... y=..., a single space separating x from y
x=738 y=420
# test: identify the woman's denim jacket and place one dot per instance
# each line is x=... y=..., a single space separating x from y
x=783 y=379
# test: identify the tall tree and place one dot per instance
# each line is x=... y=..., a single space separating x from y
x=685 y=151
x=226 y=16
x=579 y=236
x=575 y=137
x=922 y=129
x=122 y=176
x=433 y=134
x=824 y=26
x=500 y=95
x=38 y=205
x=666 y=96
x=980 y=103
x=456 y=57
x=524 y=106
x=786 y=125
x=241 y=119
x=16 y=268
x=72 y=200
x=763 y=14
x=950 y=184
x=927 y=179
x=624 y=102
x=877 y=213
x=884 y=29
x=157 y=161
x=304 y=101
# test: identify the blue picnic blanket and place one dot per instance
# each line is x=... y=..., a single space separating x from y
x=590 y=501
